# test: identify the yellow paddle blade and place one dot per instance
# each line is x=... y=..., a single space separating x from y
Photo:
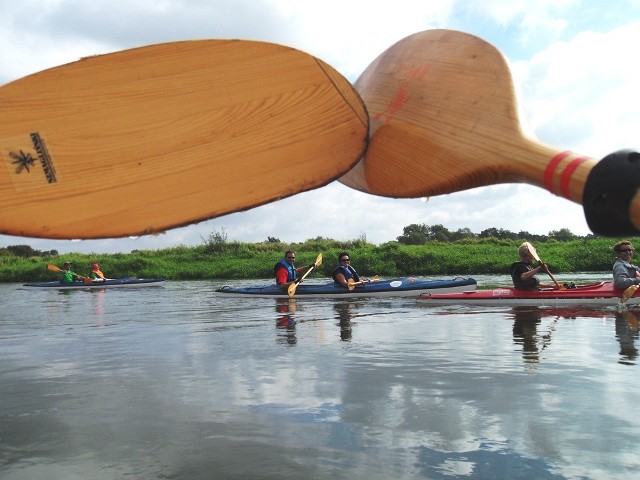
x=628 y=293
x=143 y=140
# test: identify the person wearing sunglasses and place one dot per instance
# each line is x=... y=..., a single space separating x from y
x=286 y=272
x=344 y=271
x=625 y=273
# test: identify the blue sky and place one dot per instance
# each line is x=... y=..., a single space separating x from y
x=575 y=65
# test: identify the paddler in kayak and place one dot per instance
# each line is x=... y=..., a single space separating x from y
x=69 y=276
x=344 y=271
x=96 y=275
x=286 y=272
x=625 y=274
x=523 y=273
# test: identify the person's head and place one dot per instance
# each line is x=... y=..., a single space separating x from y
x=623 y=249
x=66 y=265
x=95 y=267
x=290 y=256
x=343 y=258
x=524 y=253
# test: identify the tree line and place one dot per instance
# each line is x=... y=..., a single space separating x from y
x=420 y=234
x=414 y=234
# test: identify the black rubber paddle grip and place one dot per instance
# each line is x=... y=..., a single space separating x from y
x=610 y=187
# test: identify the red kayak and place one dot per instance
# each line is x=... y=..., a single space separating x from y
x=602 y=293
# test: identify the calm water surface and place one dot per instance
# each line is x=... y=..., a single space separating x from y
x=179 y=383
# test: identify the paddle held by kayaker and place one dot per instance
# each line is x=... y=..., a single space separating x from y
x=625 y=274
x=286 y=272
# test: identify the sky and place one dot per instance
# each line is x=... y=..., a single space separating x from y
x=575 y=64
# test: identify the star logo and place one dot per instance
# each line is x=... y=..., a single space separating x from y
x=23 y=161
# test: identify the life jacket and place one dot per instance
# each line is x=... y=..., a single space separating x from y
x=97 y=274
x=348 y=272
x=291 y=271
x=530 y=284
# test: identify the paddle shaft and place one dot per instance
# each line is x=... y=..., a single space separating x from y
x=352 y=284
x=534 y=252
x=291 y=291
x=55 y=268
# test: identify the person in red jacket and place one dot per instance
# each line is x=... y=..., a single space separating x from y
x=285 y=270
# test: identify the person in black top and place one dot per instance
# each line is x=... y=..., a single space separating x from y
x=344 y=271
x=523 y=273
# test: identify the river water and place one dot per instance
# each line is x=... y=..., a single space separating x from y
x=176 y=382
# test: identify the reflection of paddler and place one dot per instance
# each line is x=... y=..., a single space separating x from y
x=525 y=331
x=285 y=308
x=627 y=327
x=344 y=316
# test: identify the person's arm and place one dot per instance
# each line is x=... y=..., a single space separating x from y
x=529 y=274
x=340 y=278
x=304 y=268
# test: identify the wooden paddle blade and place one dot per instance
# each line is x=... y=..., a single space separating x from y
x=532 y=251
x=54 y=268
x=291 y=291
x=628 y=293
x=351 y=284
x=444 y=118
x=143 y=140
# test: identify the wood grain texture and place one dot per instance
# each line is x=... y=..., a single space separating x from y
x=143 y=140
x=444 y=118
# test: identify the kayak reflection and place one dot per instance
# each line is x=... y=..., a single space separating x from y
x=527 y=320
x=627 y=332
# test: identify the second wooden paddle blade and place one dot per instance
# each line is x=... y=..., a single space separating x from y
x=144 y=140
x=442 y=109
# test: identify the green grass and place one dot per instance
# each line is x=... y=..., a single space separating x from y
x=236 y=260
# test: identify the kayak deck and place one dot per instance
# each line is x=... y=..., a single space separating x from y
x=601 y=293
x=396 y=287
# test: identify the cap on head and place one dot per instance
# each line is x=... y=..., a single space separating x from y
x=95 y=266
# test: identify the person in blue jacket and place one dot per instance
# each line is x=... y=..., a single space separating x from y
x=344 y=271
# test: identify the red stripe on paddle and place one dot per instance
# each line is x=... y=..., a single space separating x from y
x=565 y=178
x=551 y=168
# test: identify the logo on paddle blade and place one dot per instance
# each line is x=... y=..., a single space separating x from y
x=24 y=160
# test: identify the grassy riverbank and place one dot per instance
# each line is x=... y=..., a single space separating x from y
x=236 y=260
